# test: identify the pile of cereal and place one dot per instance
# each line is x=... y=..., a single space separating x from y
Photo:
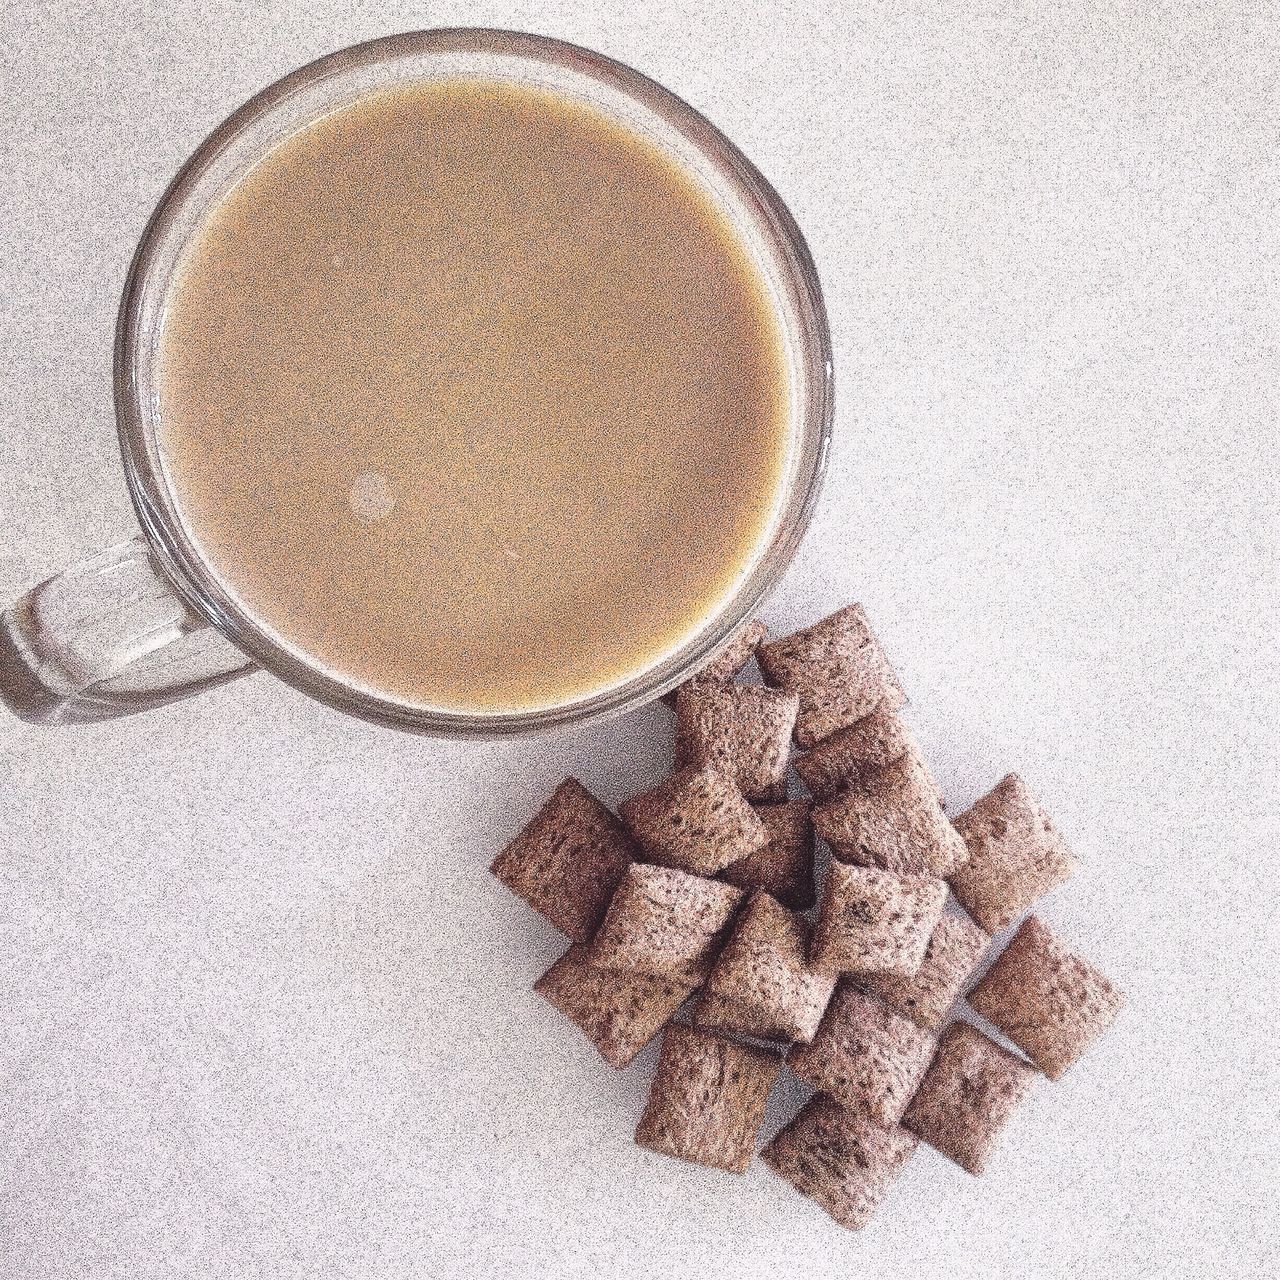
x=702 y=890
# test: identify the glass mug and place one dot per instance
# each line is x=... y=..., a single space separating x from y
x=149 y=621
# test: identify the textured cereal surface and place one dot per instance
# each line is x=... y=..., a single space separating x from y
x=873 y=921
x=892 y=819
x=708 y=1099
x=837 y=669
x=783 y=867
x=568 y=860
x=762 y=984
x=696 y=820
x=1052 y=1003
x=928 y=995
x=665 y=922
x=967 y=1096
x=1015 y=855
x=844 y=1161
x=866 y=1056
x=618 y=1012
x=743 y=730
x=848 y=754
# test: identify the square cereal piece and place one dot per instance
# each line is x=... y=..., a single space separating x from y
x=1015 y=855
x=967 y=1095
x=874 y=921
x=838 y=670
x=568 y=860
x=844 y=1161
x=783 y=868
x=867 y=1057
x=665 y=922
x=618 y=1012
x=708 y=1098
x=929 y=994
x=743 y=730
x=892 y=819
x=737 y=651
x=1049 y=1001
x=852 y=753
x=696 y=820
x=761 y=983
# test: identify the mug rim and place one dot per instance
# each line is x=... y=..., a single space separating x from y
x=194 y=579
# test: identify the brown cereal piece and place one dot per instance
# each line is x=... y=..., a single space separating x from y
x=665 y=922
x=844 y=1161
x=865 y=1056
x=725 y=665
x=783 y=868
x=761 y=984
x=1049 y=1001
x=568 y=860
x=837 y=669
x=743 y=730
x=967 y=1095
x=849 y=754
x=1015 y=855
x=927 y=996
x=618 y=1012
x=696 y=820
x=892 y=820
x=874 y=921
x=708 y=1099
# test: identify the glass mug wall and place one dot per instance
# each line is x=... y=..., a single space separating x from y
x=161 y=617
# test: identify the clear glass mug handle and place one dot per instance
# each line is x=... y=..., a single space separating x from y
x=106 y=638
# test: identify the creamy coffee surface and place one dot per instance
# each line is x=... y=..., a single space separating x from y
x=474 y=396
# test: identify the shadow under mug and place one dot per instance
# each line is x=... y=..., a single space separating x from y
x=150 y=621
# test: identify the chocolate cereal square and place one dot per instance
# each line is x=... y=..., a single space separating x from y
x=838 y=671
x=738 y=650
x=843 y=1160
x=743 y=730
x=568 y=860
x=696 y=820
x=967 y=1095
x=848 y=755
x=783 y=868
x=1015 y=855
x=618 y=1012
x=865 y=1056
x=873 y=921
x=892 y=819
x=708 y=1099
x=928 y=995
x=761 y=984
x=1049 y=1001
x=665 y=922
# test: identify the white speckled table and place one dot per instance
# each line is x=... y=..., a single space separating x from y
x=262 y=1012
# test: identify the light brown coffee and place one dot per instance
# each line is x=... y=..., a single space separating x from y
x=474 y=396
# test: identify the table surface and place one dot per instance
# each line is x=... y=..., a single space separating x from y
x=263 y=1010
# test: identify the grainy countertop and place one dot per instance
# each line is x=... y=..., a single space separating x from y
x=262 y=1011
